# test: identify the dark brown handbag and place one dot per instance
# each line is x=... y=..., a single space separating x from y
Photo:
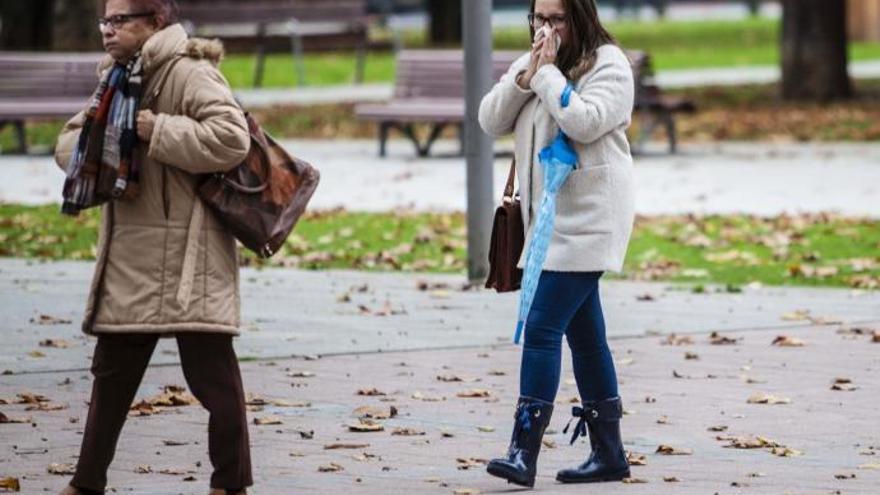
x=261 y=200
x=508 y=238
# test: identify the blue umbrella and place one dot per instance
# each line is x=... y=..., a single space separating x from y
x=558 y=160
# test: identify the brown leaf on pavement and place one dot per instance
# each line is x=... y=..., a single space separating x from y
x=474 y=393
x=784 y=451
x=670 y=450
x=788 y=341
x=842 y=384
x=10 y=484
x=745 y=442
x=373 y=412
x=46 y=407
x=61 y=469
x=300 y=374
x=289 y=403
x=56 y=343
x=268 y=420
x=49 y=320
x=143 y=469
x=845 y=476
x=876 y=337
x=870 y=465
x=29 y=398
x=370 y=392
x=636 y=459
x=366 y=426
x=466 y=491
x=450 y=378
x=691 y=356
x=716 y=338
x=629 y=481
x=760 y=398
x=407 y=432
x=677 y=340
x=330 y=468
x=173 y=396
x=671 y=479
x=718 y=428
x=4 y=420
x=340 y=446
x=470 y=462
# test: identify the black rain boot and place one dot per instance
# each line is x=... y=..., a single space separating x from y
x=521 y=464
x=607 y=461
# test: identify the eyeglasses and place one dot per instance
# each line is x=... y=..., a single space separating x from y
x=117 y=21
x=538 y=20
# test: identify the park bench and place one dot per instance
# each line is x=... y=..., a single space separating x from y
x=299 y=24
x=654 y=107
x=44 y=86
x=429 y=89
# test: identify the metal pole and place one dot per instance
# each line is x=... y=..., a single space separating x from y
x=477 y=31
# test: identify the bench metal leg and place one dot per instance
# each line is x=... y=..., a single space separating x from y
x=435 y=133
x=384 y=129
x=296 y=43
x=21 y=135
x=669 y=122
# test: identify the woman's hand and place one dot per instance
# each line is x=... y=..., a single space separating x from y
x=525 y=77
x=547 y=51
x=146 y=122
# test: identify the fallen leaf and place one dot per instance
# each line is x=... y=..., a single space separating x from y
x=497 y=373
x=785 y=452
x=466 y=491
x=143 y=469
x=470 y=462
x=647 y=297
x=669 y=450
x=4 y=419
x=716 y=338
x=61 y=469
x=870 y=465
x=692 y=356
x=473 y=393
x=36 y=354
x=486 y=429
x=366 y=426
x=630 y=481
x=450 y=378
x=662 y=420
x=300 y=374
x=843 y=385
x=845 y=476
x=339 y=446
x=268 y=420
x=330 y=468
x=29 y=398
x=677 y=340
x=750 y=442
x=56 y=343
x=636 y=459
x=287 y=403
x=10 y=484
x=376 y=412
x=49 y=320
x=718 y=428
x=174 y=443
x=175 y=471
x=671 y=479
x=407 y=432
x=787 y=341
x=760 y=398
x=370 y=392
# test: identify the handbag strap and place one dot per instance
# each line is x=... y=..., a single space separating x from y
x=508 y=188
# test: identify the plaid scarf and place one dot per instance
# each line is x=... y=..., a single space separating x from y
x=103 y=165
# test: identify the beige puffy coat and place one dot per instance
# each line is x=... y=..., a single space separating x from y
x=165 y=265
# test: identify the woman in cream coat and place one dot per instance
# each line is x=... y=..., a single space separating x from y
x=594 y=220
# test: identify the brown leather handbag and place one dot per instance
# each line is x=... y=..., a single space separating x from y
x=261 y=200
x=508 y=238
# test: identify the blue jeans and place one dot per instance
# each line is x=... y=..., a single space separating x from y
x=567 y=303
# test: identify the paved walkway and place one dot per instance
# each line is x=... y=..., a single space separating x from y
x=312 y=351
x=763 y=179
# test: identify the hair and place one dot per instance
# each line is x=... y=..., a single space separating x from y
x=586 y=35
x=166 y=11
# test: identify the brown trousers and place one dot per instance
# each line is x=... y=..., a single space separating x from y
x=212 y=374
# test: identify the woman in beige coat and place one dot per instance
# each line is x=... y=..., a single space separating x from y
x=165 y=265
x=575 y=80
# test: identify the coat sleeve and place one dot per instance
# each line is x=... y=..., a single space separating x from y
x=68 y=139
x=601 y=104
x=501 y=106
x=211 y=135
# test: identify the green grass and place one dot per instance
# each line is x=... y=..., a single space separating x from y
x=773 y=251
x=673 y=45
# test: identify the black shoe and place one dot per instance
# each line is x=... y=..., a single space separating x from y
x=521 y=464
x=607 y=461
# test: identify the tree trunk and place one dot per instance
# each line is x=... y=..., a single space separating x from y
x=444 y=22
x=814 y=50
x=76 y=26
x=26 y=25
